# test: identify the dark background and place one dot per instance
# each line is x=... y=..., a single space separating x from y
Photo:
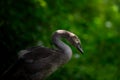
x=26 y=23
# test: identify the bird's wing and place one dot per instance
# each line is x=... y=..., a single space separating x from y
x=40 y=58
x=37 y=53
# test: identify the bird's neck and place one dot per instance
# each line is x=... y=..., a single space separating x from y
x=61 y=45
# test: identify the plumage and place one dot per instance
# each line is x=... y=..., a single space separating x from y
x=37 y=63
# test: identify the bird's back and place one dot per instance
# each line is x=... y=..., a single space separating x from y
x=40 y=62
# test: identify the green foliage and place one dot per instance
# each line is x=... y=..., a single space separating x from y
x=26 y=23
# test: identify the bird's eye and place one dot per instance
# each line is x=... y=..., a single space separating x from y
x=76 y=40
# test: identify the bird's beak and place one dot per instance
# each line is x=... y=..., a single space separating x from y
x=80 y=49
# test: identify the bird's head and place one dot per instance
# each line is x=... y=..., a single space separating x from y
x=75 y=41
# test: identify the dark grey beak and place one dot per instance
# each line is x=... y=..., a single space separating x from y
x=80 y=49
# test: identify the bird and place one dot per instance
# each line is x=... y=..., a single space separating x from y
x=38 y=63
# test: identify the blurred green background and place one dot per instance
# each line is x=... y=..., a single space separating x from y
x=26 y=23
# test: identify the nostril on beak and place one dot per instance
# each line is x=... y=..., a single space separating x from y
x=80 y=49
